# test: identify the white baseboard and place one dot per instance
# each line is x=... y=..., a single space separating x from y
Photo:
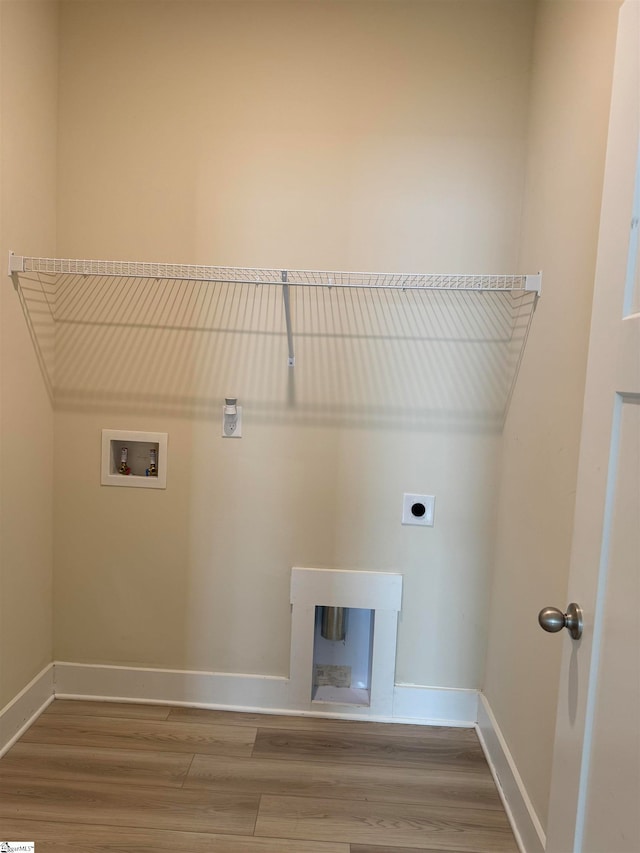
x=25 y=708
x=524 y=821
x=435 y=706
x=171 y=687
x=256 y=693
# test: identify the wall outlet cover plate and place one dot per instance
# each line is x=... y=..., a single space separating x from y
x=418 y=509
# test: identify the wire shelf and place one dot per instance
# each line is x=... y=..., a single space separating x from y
x=246 y=275
x=175 y=335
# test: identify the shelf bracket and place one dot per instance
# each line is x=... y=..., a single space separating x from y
x=287 y=314
x=533 y=283
x=16 y=265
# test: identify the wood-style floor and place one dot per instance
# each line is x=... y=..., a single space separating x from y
x=91 y=776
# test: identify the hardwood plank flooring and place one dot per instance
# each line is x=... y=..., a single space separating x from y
x=408 y=825
x=141 y=734
x=79 y=763
x=426 y=753
x=99 y=776
x=93 y=838
x=352 y=782
x=319 y=724
x=368 y=848
x=87 y=708
x=124 y=805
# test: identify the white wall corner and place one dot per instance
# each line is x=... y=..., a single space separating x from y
x=523 y=818
x=25 y=708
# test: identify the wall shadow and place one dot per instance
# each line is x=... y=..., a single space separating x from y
x=375 y=358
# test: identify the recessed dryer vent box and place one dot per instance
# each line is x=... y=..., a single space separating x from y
x=139 y=458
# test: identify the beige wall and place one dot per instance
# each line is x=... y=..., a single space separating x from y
x=573 y=56
x=28 y=113
x=316 y=135
x=320 y=135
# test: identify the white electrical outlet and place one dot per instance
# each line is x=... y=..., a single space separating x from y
x=418 y=509
x=232 y=424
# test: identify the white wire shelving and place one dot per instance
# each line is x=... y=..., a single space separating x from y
x=245 y=275
x=371 y=347
x=284 y=278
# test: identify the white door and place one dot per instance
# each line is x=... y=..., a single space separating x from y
x=595 y=792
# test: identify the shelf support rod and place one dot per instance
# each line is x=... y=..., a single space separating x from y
x=287 y=313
